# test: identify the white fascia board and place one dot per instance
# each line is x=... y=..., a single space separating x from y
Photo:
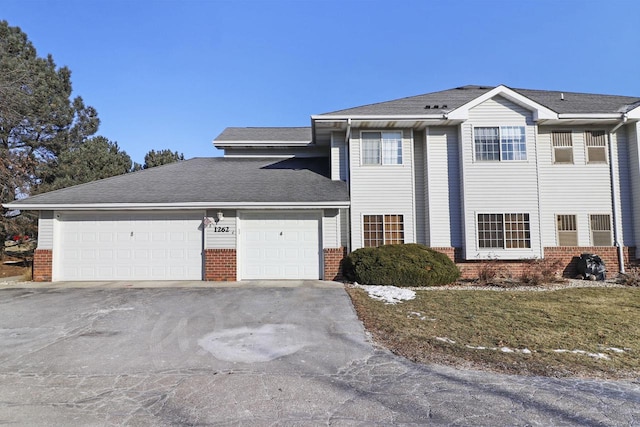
x=593 y=116
x=330 y=119
x=634 y=114
x=540 y=112
x=176 y=206
x=284 y=144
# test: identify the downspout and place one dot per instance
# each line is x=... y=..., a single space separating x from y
x=614 y=193
x=347 y=155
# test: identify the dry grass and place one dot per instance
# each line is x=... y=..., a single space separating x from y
x=593 y=320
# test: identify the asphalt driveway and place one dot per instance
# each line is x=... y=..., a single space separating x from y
x=258 y=355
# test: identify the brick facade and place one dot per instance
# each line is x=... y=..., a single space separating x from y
x=220 y=265
x=333 y=263
x=43 y=265
x=567 y=255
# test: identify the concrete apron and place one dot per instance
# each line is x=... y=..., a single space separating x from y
x=16 y=283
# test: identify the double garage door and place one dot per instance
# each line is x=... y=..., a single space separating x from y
x=129 y=246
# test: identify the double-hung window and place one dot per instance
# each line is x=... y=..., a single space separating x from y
x=567 y=230
x=562 y=147
x=502 y=143
x=596 y=143
x=504 y=231
x=600 y=230
x=382 y=148
x=382 y=230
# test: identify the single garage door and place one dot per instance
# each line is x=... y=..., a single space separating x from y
x=280 y=245
x=129 y=246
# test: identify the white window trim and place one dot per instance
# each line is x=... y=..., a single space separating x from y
x=553 y=149
x=577 y=217
x=384 y=230
x=381 y=131
x=591 y=230
x=501 y=160
x=504 y=238
x=605 y=147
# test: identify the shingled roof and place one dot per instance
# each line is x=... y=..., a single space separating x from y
x=209 y=180
x=283 y=134
x=448 y=100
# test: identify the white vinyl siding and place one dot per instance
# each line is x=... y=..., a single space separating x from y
x=221 y=234
x=45 y=230
x=632 y=188
x=581 y=189
x=422 y=214
x=331 y=228
x=443 y=187
x=379 y=190
x=499 y=187
x=338 y=157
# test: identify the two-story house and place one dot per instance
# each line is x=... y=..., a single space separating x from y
x=475 y=172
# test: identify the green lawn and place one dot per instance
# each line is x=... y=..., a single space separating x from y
x=597 y=330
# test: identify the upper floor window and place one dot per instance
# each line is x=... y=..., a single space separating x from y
x=382 y=148
x=562 y=147
x=596 y=143
x=382 y=230
x=500 y=143
x=504 y=231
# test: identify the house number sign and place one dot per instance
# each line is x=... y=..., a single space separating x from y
x=220 y=229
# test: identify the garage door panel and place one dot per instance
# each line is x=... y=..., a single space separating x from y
x=280 y=245
x=130 y=246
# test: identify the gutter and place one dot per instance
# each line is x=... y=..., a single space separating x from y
x=614 y=197
x=177 y=206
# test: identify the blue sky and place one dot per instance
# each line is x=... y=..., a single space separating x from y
x=174 y=74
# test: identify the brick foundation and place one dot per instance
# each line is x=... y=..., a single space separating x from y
x=333 y=263
x=567 y=255
x=220 y=265
x=43 y=265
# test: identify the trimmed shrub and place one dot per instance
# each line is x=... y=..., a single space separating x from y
x=400 y=265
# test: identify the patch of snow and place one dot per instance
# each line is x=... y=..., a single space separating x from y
x=445 y=339
x=525 y=351
x=614 y=349
x=586 y=353
x=418 y=315
x=506 y=350
x=388 y=294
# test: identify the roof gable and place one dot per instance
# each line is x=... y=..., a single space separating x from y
x=539 y=111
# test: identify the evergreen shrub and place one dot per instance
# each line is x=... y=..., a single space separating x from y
x=400 y=265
